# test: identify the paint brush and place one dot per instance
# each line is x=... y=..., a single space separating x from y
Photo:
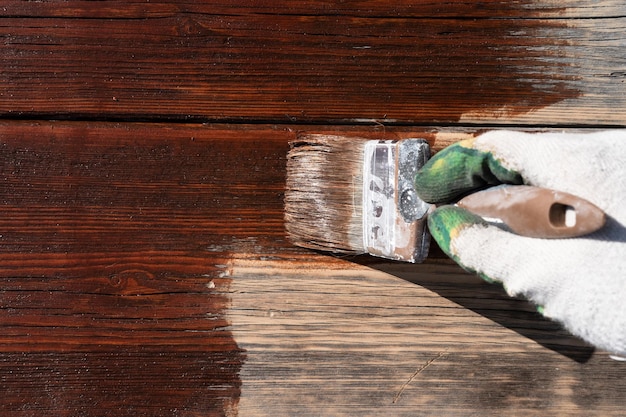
x=353 y=196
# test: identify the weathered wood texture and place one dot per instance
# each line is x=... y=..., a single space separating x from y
x=343 y=341
x=144 y=269
x=435 y=62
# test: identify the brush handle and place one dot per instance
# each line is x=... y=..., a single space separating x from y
x=536 y=212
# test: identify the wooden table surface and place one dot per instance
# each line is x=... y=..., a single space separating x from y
x=144 y=269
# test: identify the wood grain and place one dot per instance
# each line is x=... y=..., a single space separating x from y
x=349 y=340
x=110 y=300
x=138 y=9
x=144 y=269
x=439 y=62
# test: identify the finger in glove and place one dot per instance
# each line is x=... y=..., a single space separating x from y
x=458 y=170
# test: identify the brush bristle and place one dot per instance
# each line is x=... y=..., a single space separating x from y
x=323 y=198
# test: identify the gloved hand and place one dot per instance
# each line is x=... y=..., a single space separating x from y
x=580 y=282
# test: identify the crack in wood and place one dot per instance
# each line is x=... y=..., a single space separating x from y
x=416 y=373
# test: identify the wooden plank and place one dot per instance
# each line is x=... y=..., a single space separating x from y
x=436 y=62
x=348 y=340
x=135 y=9
x=144 y=271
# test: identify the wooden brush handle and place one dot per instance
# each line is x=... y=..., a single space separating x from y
x=536 y=212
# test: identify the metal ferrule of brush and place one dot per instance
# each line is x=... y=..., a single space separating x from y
x=394 y=217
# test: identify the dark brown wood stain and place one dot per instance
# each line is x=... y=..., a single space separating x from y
x=92 y=288
x=306 y=64
x=145 y=341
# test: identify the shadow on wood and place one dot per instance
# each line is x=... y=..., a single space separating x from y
x=490 y=301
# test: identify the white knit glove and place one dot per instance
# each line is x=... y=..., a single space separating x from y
x=580 y=282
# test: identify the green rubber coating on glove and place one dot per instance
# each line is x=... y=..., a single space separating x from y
x=458 y=170
x=446 y=222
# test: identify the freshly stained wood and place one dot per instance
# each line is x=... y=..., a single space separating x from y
x=512 y=62
x=374 y=8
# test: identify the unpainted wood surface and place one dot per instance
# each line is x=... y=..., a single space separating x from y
x=404 y=341
x=144 y=269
